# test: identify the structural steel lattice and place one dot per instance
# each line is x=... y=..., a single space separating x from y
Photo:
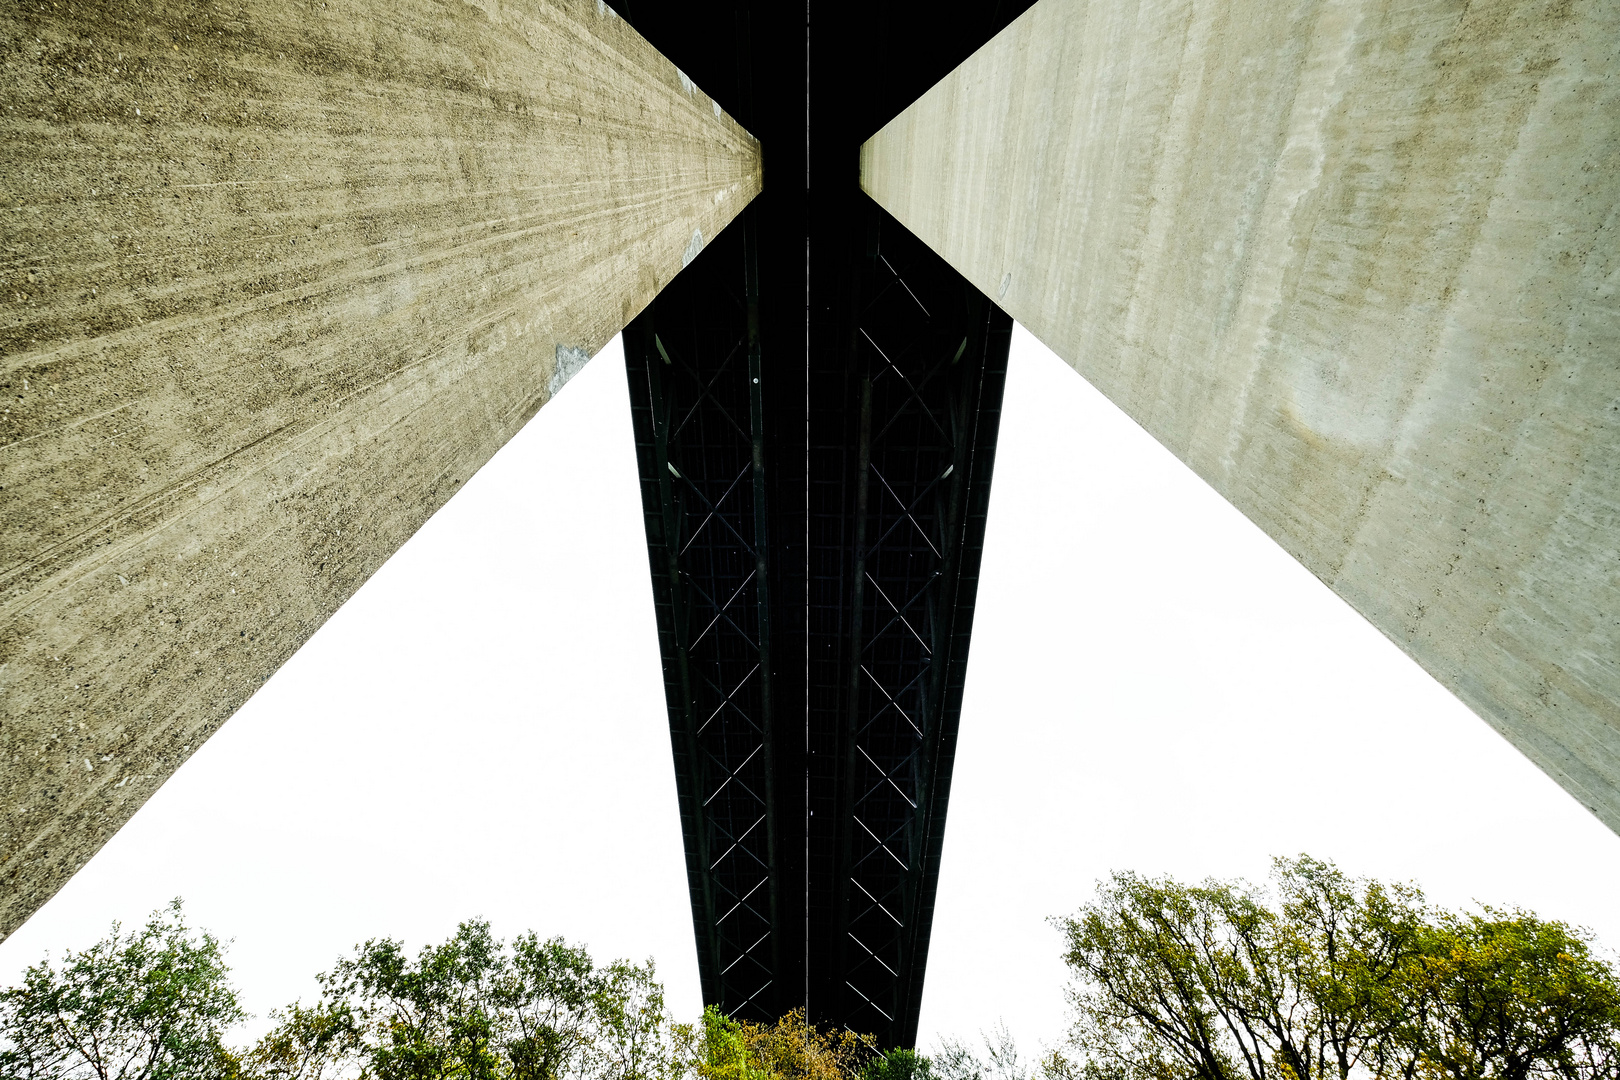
x=694 y=363
x=816 y=398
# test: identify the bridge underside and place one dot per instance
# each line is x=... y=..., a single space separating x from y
x=816 y=400
x=283 y=277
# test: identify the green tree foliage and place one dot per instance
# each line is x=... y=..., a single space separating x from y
x=1327 y=978
x=955 y=1060
x=475 y=1009
x=899 y=1064
x=153 y=1004
x=1505 y=994
x=721 y=1050
x=1318 y=977
x=790 y=1049
x=318 y=1043
x=633 y=1036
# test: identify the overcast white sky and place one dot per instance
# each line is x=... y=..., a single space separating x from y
x=1154 y=685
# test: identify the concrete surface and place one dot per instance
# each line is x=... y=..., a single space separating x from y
x=1356 y=262
x=277 y=278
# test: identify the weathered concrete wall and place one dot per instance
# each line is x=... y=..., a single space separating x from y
x=1357 y=262
x=278 y=277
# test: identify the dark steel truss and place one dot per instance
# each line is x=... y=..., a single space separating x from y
x=814 y=764
x=694 y=367
x=814 y=536
x=929 y=357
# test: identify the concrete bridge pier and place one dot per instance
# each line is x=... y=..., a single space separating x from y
x=1356 y=263
x=278 y=278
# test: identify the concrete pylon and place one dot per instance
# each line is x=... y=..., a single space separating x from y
x=1355 y=262
x=278 y=278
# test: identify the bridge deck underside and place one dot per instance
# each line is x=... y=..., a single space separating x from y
x=814 y=530
x=814 y=536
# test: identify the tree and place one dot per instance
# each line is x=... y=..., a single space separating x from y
x=155 y=1005
x=475 y=1009
x=322 y=1042
x=790 y=1049
x=1507 y=995
x=720 y=1049
x=795 y=1049
x=956 y=1060
x=633 y=1040
x=1326 y=979
x=554 y=998
x=436 y=1017
x=899 y=1064
x=152 y=1004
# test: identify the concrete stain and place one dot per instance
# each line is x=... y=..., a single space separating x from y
x=570 y=361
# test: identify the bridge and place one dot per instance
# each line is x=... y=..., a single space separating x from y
x=815 y=401
x=280 y=278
